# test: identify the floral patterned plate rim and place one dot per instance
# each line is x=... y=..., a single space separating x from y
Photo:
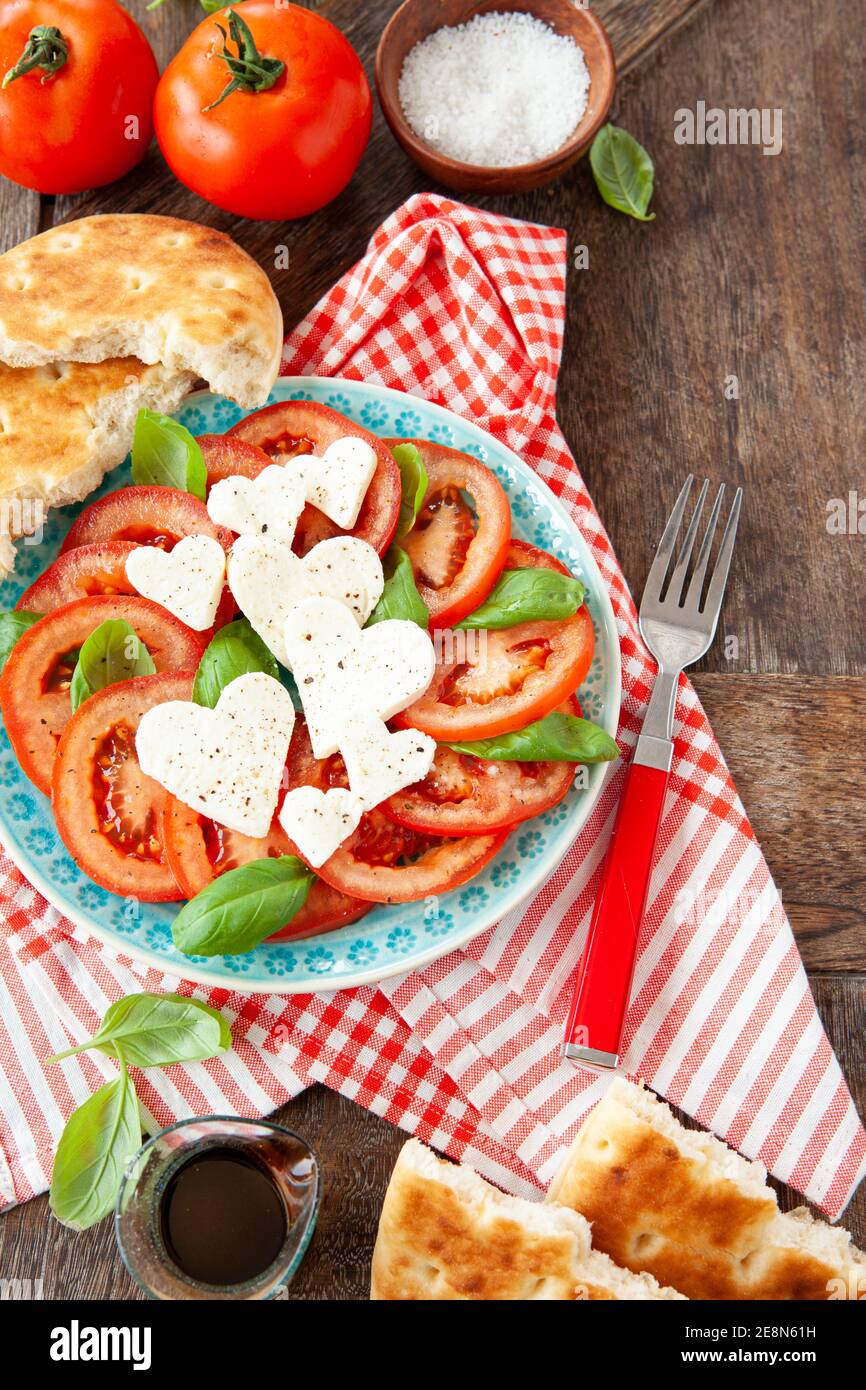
x=389 y=940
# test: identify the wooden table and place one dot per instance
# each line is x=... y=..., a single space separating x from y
x=753 y=269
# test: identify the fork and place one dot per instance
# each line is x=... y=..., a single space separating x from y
x=677 y=630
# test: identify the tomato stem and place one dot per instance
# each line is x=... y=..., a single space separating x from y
x=45 y=48
x=250 y=70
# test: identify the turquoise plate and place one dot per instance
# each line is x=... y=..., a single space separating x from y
x=389 y=940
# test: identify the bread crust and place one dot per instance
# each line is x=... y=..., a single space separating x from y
x=447 y=1235
x=659 y=1205
x=63 y=427
x=157 y=288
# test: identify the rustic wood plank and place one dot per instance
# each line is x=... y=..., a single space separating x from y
x=741 y=273
x=19 y=214
x=799 y=764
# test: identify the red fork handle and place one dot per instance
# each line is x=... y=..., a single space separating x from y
x=601 y=997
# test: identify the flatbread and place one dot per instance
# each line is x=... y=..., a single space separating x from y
x=156 y=288
x=63 y=427
x=446 y=1235
x=682 y=1206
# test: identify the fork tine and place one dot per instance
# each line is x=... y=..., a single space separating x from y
x=716 y=591
x=696 y=584
x=679 y=574
x=659 y=567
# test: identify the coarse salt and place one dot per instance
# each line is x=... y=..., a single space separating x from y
x=502 y=90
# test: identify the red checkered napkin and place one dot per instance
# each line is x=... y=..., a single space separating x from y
x=467 y=309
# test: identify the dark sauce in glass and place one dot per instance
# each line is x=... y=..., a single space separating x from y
x=222 y=1218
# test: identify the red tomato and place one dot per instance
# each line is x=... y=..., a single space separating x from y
x=227 y=457
x=291 y=428
x=136 y=516
x=387 y=864
x=199 y=851
x=476 y=796
x=108 y=812
x=86 y=572
x=34 y=686
x=510 y=678
x=85 y=118
x=457 y=555
x=382 y=862
x=158 y=516
x=275 y=153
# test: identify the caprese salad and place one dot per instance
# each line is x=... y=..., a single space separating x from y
x=294 y=671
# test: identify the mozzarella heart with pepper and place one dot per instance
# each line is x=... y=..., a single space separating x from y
x=187 y=580
x=318 y=822
x=343 y=673
x=337 y=482
x=379 y=763
x=268 y=581
x=227 y=762
x=268 y=505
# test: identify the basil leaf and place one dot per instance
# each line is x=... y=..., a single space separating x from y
x=113 y=652
x=400 y=596
x=165 y=454
x=413 y=478
x=527 y=596
x=13 y=624
x=156 y=1030
x=211 y=6
x=558 y=738
x=243 y=906
x=100 y=1138
x=623 y=172
x=234 y=651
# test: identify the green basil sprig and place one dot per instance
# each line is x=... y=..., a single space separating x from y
x=13 y=624
x=113 y=652
x=558 y=738
x=400 y=596
x=100 y=1138
x=413 y=479
x=236 y=911
x=157 y=1030
x=623 y=172
x=165 y=454
x=527 y=596
x=234 y=651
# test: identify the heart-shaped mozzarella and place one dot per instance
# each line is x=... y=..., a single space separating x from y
x=268 y=581
x=342 y=673
x=380 y=763
x=187 y=580
x=318 y=822
x=227 y=762
x=268 y=505
x=337 y=482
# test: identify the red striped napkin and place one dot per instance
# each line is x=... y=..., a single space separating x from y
x=467 y=309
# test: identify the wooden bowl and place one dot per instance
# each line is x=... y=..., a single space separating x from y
x=416 y=19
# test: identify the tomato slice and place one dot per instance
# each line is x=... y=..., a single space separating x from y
x=457 y=553
x=199 y=850
x=290 y=428
x=497 y=682
x=34 y=686
x=383 y=862
x=476 y=796
x=227 y=457
x=86 y=572
x=386 y=863
x=108 y=812
x=158 y=516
